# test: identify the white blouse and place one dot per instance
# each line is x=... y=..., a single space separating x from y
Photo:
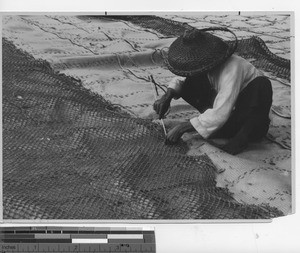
x=228 y=79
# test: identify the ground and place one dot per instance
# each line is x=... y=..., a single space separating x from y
x=115 y=58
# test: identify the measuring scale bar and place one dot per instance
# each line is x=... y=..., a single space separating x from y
x=70 y=239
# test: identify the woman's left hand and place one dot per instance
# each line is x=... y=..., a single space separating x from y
x=175 y=133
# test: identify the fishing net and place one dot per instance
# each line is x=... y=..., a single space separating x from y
x=253 y=47
x=69 y=154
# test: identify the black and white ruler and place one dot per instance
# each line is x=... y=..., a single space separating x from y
x=77 y=239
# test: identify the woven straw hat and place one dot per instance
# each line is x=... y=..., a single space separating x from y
x=198 y=51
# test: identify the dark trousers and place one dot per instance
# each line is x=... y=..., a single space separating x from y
x=249 y=120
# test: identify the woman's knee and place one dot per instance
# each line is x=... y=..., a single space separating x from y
x=266 y=92
x=261 y=96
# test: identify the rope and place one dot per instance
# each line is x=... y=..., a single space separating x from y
x=280 y=114
x=278 y=143
x=149 y=79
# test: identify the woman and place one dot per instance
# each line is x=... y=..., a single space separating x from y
x=232 y=96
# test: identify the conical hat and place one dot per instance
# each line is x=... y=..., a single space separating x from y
x=198 y=51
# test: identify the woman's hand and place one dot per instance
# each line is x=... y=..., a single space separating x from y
x=175 y=133
x=162 y=105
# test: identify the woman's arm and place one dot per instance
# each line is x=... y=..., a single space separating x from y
x=228 y=82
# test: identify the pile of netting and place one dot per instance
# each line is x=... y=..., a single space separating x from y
x=253 y=47
x=69 y=154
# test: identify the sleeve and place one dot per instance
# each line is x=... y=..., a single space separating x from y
x=228 y=83
x=176 y=84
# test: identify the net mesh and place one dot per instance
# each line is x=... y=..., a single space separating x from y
x=69 y=154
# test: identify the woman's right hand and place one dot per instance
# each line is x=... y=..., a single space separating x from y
x=161 y=106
